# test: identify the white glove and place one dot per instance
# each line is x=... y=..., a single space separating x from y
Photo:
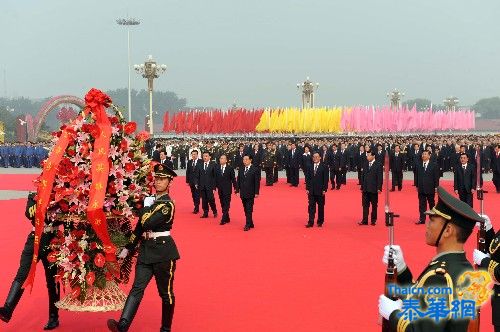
x=478 y=256
x=123 y=253
x=397 y=255
x=386 y=306
x=487 y=222
x=148 y=201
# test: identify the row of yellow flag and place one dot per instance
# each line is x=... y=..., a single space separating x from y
x=294 y=120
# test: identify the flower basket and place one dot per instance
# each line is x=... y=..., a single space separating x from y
x=110 y=298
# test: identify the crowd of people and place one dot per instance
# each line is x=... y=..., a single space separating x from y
x=19 y=155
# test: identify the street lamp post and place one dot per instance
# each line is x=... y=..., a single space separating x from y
x=308 y=88
x=150 y=70
x=395 y=97
x=451 y=103
x=128 y=22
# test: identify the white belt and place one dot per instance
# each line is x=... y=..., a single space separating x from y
x=47 y=229
x=153 y=235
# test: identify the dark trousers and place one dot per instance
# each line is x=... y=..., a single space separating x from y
x=397 y=179
x=269 y=175
x=183 y=162
x=275 y=175
x=359 y=175
x=195 y=193
x=287 y=172
x=248 y=208
x=415 y=176
x=207 y=198
x=294 y=176
x=225 y=204
x=423 y=201
x=50 y=270
x=466 y=197
x=341 y=177
x=367 y=199
x=496 y=181
x=313 y=201
x=332 y=177
x=164 y=277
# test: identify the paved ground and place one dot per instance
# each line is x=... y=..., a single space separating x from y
x=15 y=194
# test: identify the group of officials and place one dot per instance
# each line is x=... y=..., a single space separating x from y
x=22 y=155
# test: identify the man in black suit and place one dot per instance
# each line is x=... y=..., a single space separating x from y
x=316 y=188
x=192 y=174
x=371 y=186
x=360 y=161
x=249 y=186
x=414 y=159
x=156 y=153
x=427 y=183
x=238 y=157
x=341 y=166
x=164 y=161
x=396 y=166
x=224 y=179
x=465 y=180
x=332 y=161
x=495 y=166
x=294 y=165
x=206 y=185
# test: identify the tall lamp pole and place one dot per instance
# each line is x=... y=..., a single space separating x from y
x=150 y=70
x=308 y=88
x=395 y=97
x=128 y=22
x=451 y=103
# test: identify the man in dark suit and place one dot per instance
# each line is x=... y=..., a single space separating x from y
x=495 y=166
x=465 y=180
x=396 y=166
x=192 y=175
x=156 y=153
x=427 y=183
x=316 y=188
x=341 y=166
x=238 y=157
x=249 y=186
x=224 y=179
x=332 y=161
x=415 y=158
x=164 y=161
x=360 y=161
x=206 y=185
x=371 y=186
x=295 y=160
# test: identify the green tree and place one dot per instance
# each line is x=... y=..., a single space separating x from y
x=9 y=123
x=422 y=104
x=489 y=108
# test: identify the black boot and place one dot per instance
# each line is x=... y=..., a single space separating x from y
x=53 y=322
x=128 y=313
x=11 y=302
x=167 y=314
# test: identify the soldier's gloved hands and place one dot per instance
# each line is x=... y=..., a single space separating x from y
x=478 y=256
x=487 y=222
x=386 y=306
x=397 y=255
x=123 y=254
x=148 y=201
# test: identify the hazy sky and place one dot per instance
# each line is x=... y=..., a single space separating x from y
x=256 y=51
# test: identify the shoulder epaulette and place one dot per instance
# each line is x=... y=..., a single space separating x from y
x=494 y=245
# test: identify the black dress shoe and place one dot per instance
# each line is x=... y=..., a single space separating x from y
x=320 y=224
x=196 y=211
x=373 y=223
x=223 y=223
x=420 y=223
x=204 y=216
x=363 y=223
x=215 y=214
x=252 y=226
x=309 y=225
x=393 y=190
x=246 y=228
x=52 y=323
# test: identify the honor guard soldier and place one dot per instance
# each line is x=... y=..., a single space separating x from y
x=451 y=223
x=16 y=290
x=491 y=263
x=157 y=253
x=269 y=162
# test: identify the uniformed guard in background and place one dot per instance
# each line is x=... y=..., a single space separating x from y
x=157 y=253
x=269 y=162
x=16 y=290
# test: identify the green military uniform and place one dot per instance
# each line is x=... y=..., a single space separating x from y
x=443 y=271
x=157 y=257
x=269 y=164
x=492 y=264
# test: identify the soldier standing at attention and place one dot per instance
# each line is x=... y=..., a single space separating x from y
x=157 y=254
x=269 y=164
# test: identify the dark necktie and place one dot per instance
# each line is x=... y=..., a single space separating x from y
x=315 y=168
x=205 y=168
x=246 y=170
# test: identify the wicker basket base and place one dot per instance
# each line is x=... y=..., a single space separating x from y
x=111 y=298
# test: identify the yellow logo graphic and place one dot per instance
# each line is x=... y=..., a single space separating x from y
x=475 y=285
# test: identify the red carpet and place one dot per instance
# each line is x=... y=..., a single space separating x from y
x=278 y=277
x=17 y=181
